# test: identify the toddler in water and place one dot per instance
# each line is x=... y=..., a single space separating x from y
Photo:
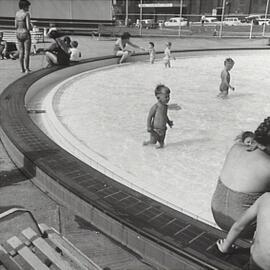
x=157 y=118
x=225 y=78
x=167 y=58
x=152 y=52
x=75 y=54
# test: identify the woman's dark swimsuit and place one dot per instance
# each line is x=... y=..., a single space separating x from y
x=228 y=205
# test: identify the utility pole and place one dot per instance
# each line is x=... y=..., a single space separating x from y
x=265 y=17
x=222 y=18
x=126 y=20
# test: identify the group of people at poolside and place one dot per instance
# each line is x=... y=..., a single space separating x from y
x=240 y=203
x=121 y=50
x=61 y=52
x=241 y=200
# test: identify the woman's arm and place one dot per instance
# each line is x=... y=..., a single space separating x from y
x=249 y=216
x=28 y=23
x=135 y=46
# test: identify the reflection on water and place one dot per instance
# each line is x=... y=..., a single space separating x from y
x=107 y=111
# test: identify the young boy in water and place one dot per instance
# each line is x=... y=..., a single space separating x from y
x=157 y=118
x=167 y=58
x=225 y=78
x=152 y=52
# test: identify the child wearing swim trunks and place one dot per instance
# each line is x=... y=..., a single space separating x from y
x=225 y=78
x=168 y=56
x=157 y=119
x=152 y=52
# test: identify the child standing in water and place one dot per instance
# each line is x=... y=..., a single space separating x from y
x=167 y=58
x=157 y=118
x=225 y=78
x=152 y=52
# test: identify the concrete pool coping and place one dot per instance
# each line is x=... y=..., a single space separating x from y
x=103 y=201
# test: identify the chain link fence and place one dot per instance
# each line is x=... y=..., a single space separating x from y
x=217 y=24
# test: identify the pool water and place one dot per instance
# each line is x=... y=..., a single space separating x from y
x=106 y=110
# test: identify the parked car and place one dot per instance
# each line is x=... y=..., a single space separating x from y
x=147 y=23
x=264 y=21
x=253 y=17
x=176 y=21
x=210 y=20
x=231 y=21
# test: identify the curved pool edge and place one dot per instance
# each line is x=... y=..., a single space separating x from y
x=149 y=228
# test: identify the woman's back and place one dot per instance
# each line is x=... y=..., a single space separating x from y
x=20 y=19
x=246 y=171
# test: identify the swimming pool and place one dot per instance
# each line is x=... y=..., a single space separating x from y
x=105 y=111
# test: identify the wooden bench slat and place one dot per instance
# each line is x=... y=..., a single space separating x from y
x=36 y=37
x=27 y=254
x=46 y=249
x=7 y=261
x=71 y=251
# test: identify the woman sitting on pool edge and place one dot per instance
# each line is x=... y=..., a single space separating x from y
x=245 y=176
x=58 y=52
x=120 y=47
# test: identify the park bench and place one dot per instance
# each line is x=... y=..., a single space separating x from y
x=39 y=247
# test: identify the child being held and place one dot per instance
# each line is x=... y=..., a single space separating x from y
x=167 y=58
x=246 y=138
x=75 y=54
x=225 y=78
x=152 y=52
x=157 y=119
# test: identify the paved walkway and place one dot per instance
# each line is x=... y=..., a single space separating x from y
x=16 y=190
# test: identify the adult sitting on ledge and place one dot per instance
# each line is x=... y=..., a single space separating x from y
x=245 y=176
x=58 y=52
x=120 y=47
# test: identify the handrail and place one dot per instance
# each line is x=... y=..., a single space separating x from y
x=14 y=210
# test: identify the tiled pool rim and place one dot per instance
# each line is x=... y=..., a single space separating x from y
x=142 y=224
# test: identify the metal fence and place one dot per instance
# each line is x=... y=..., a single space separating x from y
x=194 y=25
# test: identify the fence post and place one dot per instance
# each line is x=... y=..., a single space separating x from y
x=141 y=17
x=265 y=17
x=251 y=29
x=126 y=19
x=222 y=18
x=181 y=11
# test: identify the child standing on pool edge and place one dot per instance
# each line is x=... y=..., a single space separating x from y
x=226 y=78
x=157 y=118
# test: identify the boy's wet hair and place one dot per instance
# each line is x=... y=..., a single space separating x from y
x=152 y=44
x=158 y=89
x=169 y=43
x=74 y=43
x=262 y=133
x=228 y=60
x=125 y=35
